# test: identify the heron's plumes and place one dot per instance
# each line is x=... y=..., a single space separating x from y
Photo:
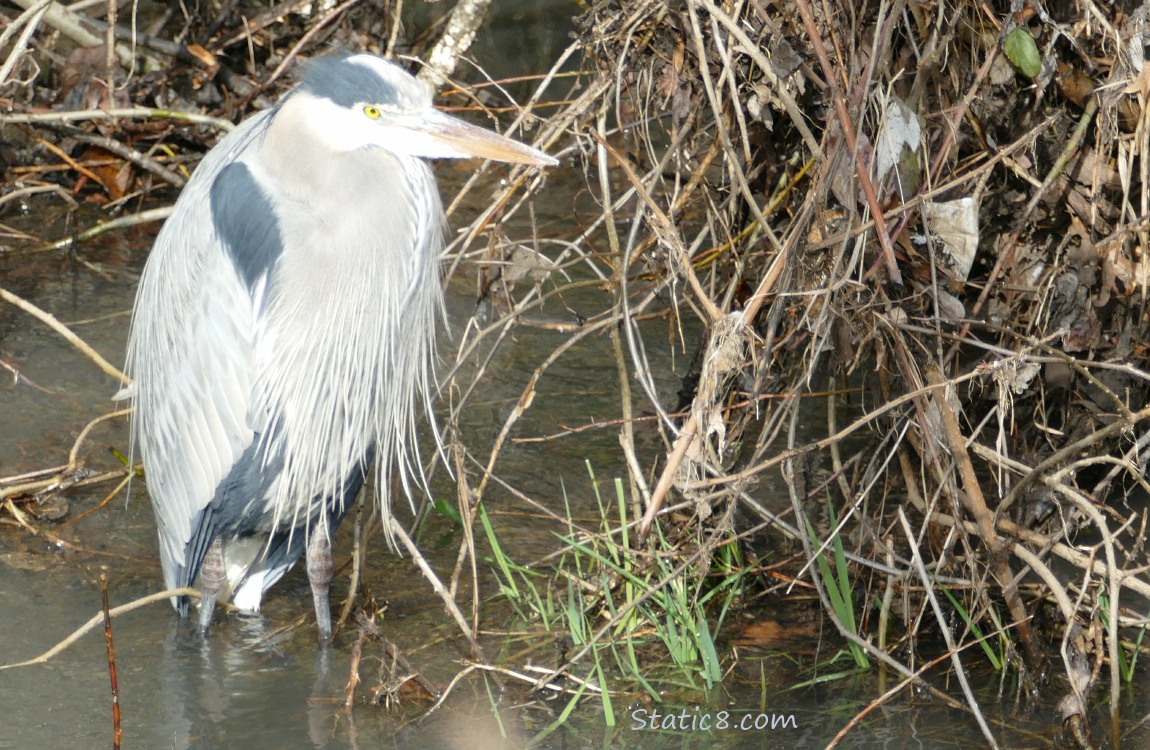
x=337 y=379
x=283 y=334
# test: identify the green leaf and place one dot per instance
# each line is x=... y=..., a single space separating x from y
x=448 y=509
x=1020 y=49
x=713 y=670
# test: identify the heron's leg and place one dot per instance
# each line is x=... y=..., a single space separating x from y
x=212 y=576
x=319 y=573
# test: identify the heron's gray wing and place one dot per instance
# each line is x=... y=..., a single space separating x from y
x=190 y=356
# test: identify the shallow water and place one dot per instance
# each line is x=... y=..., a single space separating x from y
x=249 y=685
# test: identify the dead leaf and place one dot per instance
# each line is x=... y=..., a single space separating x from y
x=115 y=175
x=897 y=145
x=956 y=224
x=26 y=561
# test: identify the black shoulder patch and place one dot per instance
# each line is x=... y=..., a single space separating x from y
x=245 y=222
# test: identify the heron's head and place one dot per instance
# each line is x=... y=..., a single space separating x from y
x=362 y=101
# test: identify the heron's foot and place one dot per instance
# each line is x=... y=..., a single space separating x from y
x=319 y=574
x=212 y=577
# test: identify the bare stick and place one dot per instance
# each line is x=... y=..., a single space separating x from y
x=975 y=503
x=117 y=729
x=143 y=217
x=959 y=670
x=844 y=119
x=53 y=322
x=31 y=17
x=353 y=669
x=111 y=114
x=437 y=585
x=98 y=618
x=135 y=157
x=71 y=25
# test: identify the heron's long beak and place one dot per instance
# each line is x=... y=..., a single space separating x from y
x=454 y=138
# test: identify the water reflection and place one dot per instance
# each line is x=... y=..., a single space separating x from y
x=221 y=691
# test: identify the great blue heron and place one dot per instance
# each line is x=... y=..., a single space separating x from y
x=284 y=324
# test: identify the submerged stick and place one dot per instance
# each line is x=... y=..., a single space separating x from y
x=98 y=618
x=437 y=585
x=54 y=323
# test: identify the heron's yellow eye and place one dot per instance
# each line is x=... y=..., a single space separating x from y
x=372 y=112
